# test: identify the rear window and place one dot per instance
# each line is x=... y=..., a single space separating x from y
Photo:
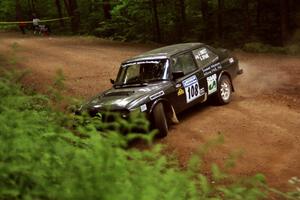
x=204 y=57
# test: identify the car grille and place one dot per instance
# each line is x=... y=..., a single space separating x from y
x=109 y=115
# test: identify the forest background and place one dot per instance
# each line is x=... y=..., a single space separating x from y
x=228 y=23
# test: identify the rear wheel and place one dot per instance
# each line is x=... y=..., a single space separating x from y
x=160 y=121
x=224 y=93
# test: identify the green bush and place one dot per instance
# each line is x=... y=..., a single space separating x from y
x=5 y=27
x=293 y=49
x=40 y=159
x=256 y=47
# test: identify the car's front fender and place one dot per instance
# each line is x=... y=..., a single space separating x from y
x=168 y=108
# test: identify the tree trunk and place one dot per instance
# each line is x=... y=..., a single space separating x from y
x=106 y=9
x=18 y=11
x=258 y=14
x=205 y=16
x=19 y=17
x=71 y=6
x=247 y=18
x=67 y=7
x=76 y=16
x=181 y=19
x=33 y=6
x=204 y=8
x=182 y=10
x=157 y=35
x=29 y=7
x=91 y=6
x=59 y=12
x=220 y=19
x=284 y=20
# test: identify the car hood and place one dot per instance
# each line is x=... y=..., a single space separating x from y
x=127 y=97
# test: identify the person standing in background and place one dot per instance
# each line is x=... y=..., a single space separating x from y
x=35 y=23
x=22 y=26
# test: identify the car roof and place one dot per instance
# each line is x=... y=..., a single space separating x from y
x=164 y=52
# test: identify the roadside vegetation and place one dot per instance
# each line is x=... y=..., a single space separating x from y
x=257 y=47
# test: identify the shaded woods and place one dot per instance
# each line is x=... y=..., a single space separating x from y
x=223 y=22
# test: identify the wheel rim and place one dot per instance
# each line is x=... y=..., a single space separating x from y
x=225 y=91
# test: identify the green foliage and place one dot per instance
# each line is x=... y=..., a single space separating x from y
x=40 y=158
x=295 y=182
x=131 y=20
x=7 y=10
x=8 y=27
x=55 y=91
x=293 y=49
x=14 y=58
x=257 y=47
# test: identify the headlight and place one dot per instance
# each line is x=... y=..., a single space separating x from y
x=141 y=108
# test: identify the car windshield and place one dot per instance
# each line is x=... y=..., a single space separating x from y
x=142 y=72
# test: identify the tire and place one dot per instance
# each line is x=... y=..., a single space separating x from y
x=224 y=91
x=160 y=121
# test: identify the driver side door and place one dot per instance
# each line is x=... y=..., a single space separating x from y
x=188 y=88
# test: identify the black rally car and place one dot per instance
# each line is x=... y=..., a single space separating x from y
x=166 y=81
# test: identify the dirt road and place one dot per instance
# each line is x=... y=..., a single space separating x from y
x=262 y=122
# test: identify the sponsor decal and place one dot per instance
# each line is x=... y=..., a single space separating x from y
x=202 y=91
x=178 y=85
x=191 y=87
x=180 y=92
x=202 y=55
x=143 y=108
x=212 y=83
x=156 y=95
x=211 y=69
x=189 y=81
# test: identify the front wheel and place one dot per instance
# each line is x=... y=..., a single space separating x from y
x=224 y=93
x=160 y=121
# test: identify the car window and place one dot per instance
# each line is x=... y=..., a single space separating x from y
x=143 y=72
x=184 y=62
x=132 y=73
x=204 y=56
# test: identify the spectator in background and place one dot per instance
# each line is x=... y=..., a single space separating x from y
x=35 y=23
x=22 y=26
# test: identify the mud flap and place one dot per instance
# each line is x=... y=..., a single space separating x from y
x=173 y=118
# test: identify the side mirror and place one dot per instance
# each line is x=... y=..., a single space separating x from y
x=112 y=81
x=177 y=74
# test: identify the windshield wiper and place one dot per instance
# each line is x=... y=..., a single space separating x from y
x=155 y=80
x=132 y=84
x=117 y=85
